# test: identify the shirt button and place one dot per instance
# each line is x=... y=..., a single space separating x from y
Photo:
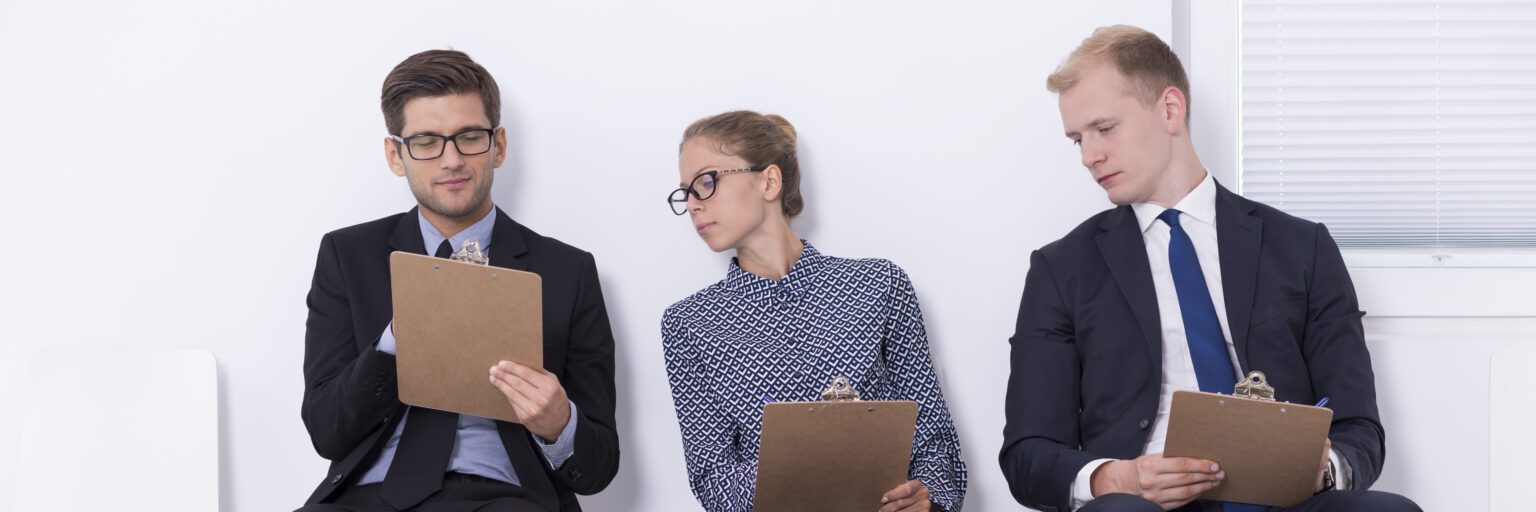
x=1143 y=424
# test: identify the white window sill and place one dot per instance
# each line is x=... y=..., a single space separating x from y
x=1512 y=259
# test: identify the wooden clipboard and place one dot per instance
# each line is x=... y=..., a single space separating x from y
x=834 y=455
x=1269 y=450
x=453 y=322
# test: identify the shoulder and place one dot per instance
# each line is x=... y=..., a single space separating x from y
x=1082 y=239
x=693 y=306
x=551 y=248
x=377 y=231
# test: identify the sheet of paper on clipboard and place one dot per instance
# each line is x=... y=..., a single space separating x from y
x=454 y=319
x=1269 y=450
x=840 y=453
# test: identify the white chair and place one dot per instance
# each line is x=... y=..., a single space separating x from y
x=1511 y=414
x=120 y=430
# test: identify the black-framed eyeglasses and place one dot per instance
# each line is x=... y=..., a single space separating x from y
x=702 y=187
x=429 y=147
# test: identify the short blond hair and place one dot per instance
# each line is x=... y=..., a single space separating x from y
x=1147 y=63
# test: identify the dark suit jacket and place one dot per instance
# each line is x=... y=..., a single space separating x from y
x=351 y=402
x=1087 y=352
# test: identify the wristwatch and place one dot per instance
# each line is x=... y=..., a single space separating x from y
x=1328 y=479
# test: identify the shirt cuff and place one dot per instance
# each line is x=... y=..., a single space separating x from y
x=565 y=445
x=1082 y=486
x=1342 y=472
x=386 y=342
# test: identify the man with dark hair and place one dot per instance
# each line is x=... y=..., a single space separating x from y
x=443 y=111
x=1182 y=286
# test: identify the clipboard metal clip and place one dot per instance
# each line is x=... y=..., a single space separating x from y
x=471 y=253
x=841 y=390
x=1255 y=387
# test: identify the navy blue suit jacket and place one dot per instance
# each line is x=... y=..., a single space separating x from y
x=1087 y=350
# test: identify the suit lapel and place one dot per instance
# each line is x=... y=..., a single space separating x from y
x=507 y=243
x=1125 y=252
x=1238 y=237
x=405 y=238
x=407 y=235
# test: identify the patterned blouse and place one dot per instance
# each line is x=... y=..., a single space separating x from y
x=745 y=341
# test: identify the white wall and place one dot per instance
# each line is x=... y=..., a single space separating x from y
x=171 y=167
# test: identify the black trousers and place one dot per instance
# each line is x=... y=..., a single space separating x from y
x=1331 y=501
x=460 y=493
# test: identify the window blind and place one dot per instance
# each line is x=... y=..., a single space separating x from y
x=1396 y=123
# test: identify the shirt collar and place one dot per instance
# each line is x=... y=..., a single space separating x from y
x=480 y=231
x=1199 y=204
x=755 y=287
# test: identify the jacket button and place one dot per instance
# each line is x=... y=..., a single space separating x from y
x=1143 y=424
x=336 y=479
x=574 y=474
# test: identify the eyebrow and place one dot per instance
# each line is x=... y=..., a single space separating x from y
x=460 y=130
x=695 y=175
x=1096 y=122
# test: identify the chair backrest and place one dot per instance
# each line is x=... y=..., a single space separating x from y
x=1511 y=414
x=120 y=430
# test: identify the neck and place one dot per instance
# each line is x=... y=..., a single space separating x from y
x=1184 y=173
x=450 y=226
x=770 y=251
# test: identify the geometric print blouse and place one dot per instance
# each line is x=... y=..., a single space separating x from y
x=746 y=341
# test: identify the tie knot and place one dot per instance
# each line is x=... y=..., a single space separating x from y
x=444 y=250
x=1170 y=216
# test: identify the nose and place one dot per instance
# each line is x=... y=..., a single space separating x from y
x=1091 y=154
x=451 y=158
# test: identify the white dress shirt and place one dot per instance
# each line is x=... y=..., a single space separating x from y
x=1197 y=214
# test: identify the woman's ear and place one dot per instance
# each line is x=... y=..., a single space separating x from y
x=773 y=183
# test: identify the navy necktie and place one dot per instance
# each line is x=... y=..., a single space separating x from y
x=425 y=447
x=1207 y=347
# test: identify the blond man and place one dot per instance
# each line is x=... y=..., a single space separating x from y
x=1183 y=285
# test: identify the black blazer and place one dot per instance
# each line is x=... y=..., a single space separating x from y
x=1087 y=350
x=351 y=402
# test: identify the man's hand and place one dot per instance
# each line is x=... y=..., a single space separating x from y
x=1170 y=482
x=536 y=396
x=908 y=497
x=1323 y=468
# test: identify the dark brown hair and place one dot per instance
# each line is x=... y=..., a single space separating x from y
x=761 y=140
x=437 y=73
x=1147 y=63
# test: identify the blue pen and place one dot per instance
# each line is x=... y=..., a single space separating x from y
x=1322 y=402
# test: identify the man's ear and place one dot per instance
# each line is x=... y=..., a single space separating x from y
x=392 y=155
x=1175 y=109
x=501 y=146
x=773 y=183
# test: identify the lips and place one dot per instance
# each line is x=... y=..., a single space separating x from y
x=701 y=227
x=454 y=183
x=1105 y=178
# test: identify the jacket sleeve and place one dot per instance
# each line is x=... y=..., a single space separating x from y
x=588 y=381
x=1040 y=456
x=1340 y=365
x=347 y=395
